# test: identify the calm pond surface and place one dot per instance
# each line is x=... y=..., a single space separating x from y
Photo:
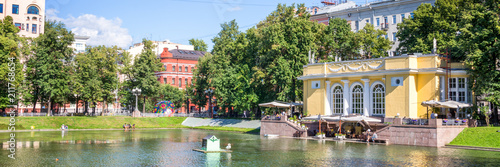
x=173 y=147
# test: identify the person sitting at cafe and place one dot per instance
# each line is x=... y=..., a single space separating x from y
x=374 y=137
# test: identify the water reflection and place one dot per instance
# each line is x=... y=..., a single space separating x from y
x=174 y=148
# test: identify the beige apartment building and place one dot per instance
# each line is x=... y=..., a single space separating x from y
x=28 y=15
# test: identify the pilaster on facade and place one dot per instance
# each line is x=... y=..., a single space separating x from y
x=366 y=96
x=346 y=97
x=328 y=107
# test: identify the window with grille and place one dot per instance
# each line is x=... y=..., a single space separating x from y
x=461 y=96
x=457 y=90
x=461 y=82
x=453 y=96
x=452 y=82
x=338 y=100
x=378 y=100
x=357 y=99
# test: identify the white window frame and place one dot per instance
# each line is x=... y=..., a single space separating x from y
x=337 y=99
x=458 y=91
x=373 y=95
x=353 y=103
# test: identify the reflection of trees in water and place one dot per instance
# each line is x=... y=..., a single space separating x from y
x=173 y=148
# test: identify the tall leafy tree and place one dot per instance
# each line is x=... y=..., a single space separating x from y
x=144 y=70
x=339 y=41
x=431 y=22
x=96 y=74
x=174 y=94
x=479 y=38
x=126 y=68
x=198 y=44
x=201 y=80
x=373 y=42
x=10 y=68
x=48 y=69
x=287 y=37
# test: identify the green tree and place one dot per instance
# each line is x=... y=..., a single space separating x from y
x=95 y=74
x=174 y=94
x=201 y=79
x=198 y=44
x=339 y=41
x=373 y=42
x=10 y=68
x=287 y=35
x=479 y=39
x=48 y=70
x=144 y=70
x=126 y=68
x=430 y=22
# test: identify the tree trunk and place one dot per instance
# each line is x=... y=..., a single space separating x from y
x=64 y=107
x=50 y=106
x=495 y=114
x=34 y=101
x=144 y=105
x=77 y=104
x=103 y=103
x=86 y=109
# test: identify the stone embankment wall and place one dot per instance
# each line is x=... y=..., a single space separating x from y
x=432 y=135
x=281 y=127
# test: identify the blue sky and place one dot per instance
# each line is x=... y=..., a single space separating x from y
x=124 y=22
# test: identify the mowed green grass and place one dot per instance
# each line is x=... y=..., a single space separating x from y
x=478 y=137
x=99 y=122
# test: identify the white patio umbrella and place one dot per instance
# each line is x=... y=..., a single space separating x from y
x=445 y=104
x=275 y=104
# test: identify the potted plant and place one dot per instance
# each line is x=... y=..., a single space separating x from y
x=340 y=136
x=320 y=135
x=445 y=121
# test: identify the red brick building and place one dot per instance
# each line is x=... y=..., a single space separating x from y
x=178 y=67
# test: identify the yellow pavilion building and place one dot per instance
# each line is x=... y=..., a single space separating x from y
x=383 y=87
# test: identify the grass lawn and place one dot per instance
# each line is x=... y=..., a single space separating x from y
x=478 y=137
x=100 y=122
x=109 y=122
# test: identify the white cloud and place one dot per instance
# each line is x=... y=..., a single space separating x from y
x=51 y=14
x=101 y=31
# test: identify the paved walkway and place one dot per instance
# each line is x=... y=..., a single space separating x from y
x=238 y=123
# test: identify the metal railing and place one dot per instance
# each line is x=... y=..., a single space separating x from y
x=36 y=114
x=409 y=121
x=272 y=117
x=453 y=122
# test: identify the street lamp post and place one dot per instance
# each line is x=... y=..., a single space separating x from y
x=210 y=92
x=187 y=103
x=136 y=92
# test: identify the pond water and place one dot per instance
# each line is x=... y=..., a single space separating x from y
x=173 y=147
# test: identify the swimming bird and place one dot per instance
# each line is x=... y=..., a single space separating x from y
x=228 y=146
